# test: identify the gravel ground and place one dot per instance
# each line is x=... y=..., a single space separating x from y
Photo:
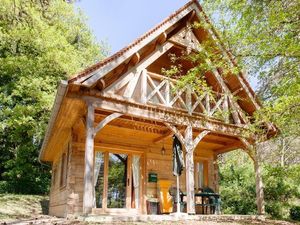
x=45 y=220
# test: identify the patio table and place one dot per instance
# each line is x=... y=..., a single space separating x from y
x=206 y=195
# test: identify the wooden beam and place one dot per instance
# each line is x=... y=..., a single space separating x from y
x=131 y=85
x=189 y=100
x=164 y=136
x=162 y=38
x=156 y=91
x=126 y=77
x=88 y=193
x=227 y=148
x=176 y=132
x=116 y=147
x=154 y=113
x=159 y=95
x=104 y=122
x=130 y=123
x=144 y=86
x=200 y=137
x=135 y=59
x=226 y=109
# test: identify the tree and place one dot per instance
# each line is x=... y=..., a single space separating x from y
x=41 y=42
x=264 y=38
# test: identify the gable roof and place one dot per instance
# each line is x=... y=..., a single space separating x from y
x=83 y=75
x=93 y=73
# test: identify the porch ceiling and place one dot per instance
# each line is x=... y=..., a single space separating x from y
x=136 y=132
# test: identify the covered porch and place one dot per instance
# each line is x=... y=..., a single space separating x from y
x=140 y=147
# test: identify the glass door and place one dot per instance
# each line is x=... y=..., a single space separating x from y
x=117 y=181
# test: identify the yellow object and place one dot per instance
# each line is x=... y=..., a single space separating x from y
x=165 y=198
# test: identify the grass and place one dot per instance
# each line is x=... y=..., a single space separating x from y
x=14 y=206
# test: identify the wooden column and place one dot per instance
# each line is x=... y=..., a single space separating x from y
x=252 y=152
x=216 y=173
x=259 y=186
x=190 y=183
x=190 y=144
x=88 y=193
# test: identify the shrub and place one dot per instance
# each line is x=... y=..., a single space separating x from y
x=274 y=209
x=295 y=213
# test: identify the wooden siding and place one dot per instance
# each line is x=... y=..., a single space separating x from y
x=59 y=190
x=68 y=200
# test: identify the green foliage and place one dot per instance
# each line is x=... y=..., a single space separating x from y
x=274 y=209
x=279 y=186
x=263 y=37
x=237 y=186
x=41 y=42
x=295 y=213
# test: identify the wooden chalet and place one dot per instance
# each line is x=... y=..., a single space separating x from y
x=111 y=125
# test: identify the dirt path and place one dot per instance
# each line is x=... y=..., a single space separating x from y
x=49 y=220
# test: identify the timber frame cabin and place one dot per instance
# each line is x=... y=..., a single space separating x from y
x=117 y=115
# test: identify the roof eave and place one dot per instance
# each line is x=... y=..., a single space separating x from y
x=61 y=92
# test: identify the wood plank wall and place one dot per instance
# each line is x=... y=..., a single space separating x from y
x=58 y=193
x=68 y=200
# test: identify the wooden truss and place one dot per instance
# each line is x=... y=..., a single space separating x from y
x=153 y=89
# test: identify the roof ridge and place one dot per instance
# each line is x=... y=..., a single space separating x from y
x=119 y=53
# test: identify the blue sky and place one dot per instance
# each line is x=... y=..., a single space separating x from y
x=119 y=22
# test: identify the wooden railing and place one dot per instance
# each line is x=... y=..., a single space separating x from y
x=154 y=89
x=163 y=91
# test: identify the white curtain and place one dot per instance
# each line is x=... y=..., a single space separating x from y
x=136 y=179
x=200 y=175
x=97 y=166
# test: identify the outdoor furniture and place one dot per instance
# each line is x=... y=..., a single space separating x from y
x=152 y=206
x=165 y=199
x=209 y=199
x=173 y=193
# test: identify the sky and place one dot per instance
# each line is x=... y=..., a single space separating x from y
x=120 y=22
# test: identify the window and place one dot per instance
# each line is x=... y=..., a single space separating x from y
x=64 y=167
x=54 y=175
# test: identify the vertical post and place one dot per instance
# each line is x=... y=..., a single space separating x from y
x=189 y=99
x=235 y=114
x=178 y=197
x=254 y=155
x=168 y=92
x=190 y=184
x=259 y=186
x=88 y=198
x=207 y=103
x=216 y=173
x=144 y=86
x=226 y=109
